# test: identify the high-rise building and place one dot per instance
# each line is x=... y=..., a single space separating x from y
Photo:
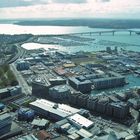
x=40 y=87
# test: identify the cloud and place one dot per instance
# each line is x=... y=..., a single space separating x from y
x=69 y=1
x=70 y=8
x=19 y=3
x=103 y=0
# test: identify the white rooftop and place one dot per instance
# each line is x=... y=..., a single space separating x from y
x=81 y=121
x=59 y=109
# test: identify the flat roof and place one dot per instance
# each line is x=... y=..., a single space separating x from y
x=40 y=122
x=59 y=109
x=78 y=82
x=80 y=120
x=4 y=117
x=84 y=133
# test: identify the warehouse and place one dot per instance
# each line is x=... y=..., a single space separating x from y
x=52 y=110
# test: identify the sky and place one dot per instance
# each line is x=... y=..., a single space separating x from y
x=13 y=9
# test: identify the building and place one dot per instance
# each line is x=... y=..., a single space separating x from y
x=2 y=106
x=80 y=121
x=80 y=84
x=84 y=133
x=10 y=91
x=120 y=110
x=121 y=96
x=5 y=123
x=73 y=97
x=22 y=65
x=92 y=103
x=69 y=65
x=43 y=135
x=57 y=81
x=52 y=110
x=102 y=104
x=82 y=100
x=134 y=102
x=40 y=87
x=59 y=92
x=109 y=82
x=25 y=114
x=40 y=123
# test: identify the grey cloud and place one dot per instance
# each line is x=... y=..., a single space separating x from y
x=69 y=1
x=103 y=0
x=18 y=3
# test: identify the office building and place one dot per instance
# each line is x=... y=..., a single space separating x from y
x=40 y=87
x=22 y=65
x=80 y=84
x=60 y=92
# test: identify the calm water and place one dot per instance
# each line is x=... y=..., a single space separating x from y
x=121 y=37
x=121 y=40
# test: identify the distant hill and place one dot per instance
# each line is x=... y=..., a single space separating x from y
x=93 y=23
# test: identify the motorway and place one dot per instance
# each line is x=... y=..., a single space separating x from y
x=20 y=53
x=25 y=87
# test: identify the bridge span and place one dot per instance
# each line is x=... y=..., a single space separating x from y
x=109 y=31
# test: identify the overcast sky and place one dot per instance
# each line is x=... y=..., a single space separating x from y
x=69 y=8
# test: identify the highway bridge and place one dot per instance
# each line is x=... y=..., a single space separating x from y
x=130 y=32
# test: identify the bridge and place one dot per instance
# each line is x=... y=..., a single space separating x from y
x=109 y=31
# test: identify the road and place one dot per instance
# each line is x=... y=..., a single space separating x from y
x=20 y=53
x=25 y=87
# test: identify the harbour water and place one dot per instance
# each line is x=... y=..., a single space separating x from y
x=120 y=39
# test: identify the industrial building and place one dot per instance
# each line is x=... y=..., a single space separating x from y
x=80 y=84
x=40 y=87
x=80 y=121
x=52 y=110
x=5 y=123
